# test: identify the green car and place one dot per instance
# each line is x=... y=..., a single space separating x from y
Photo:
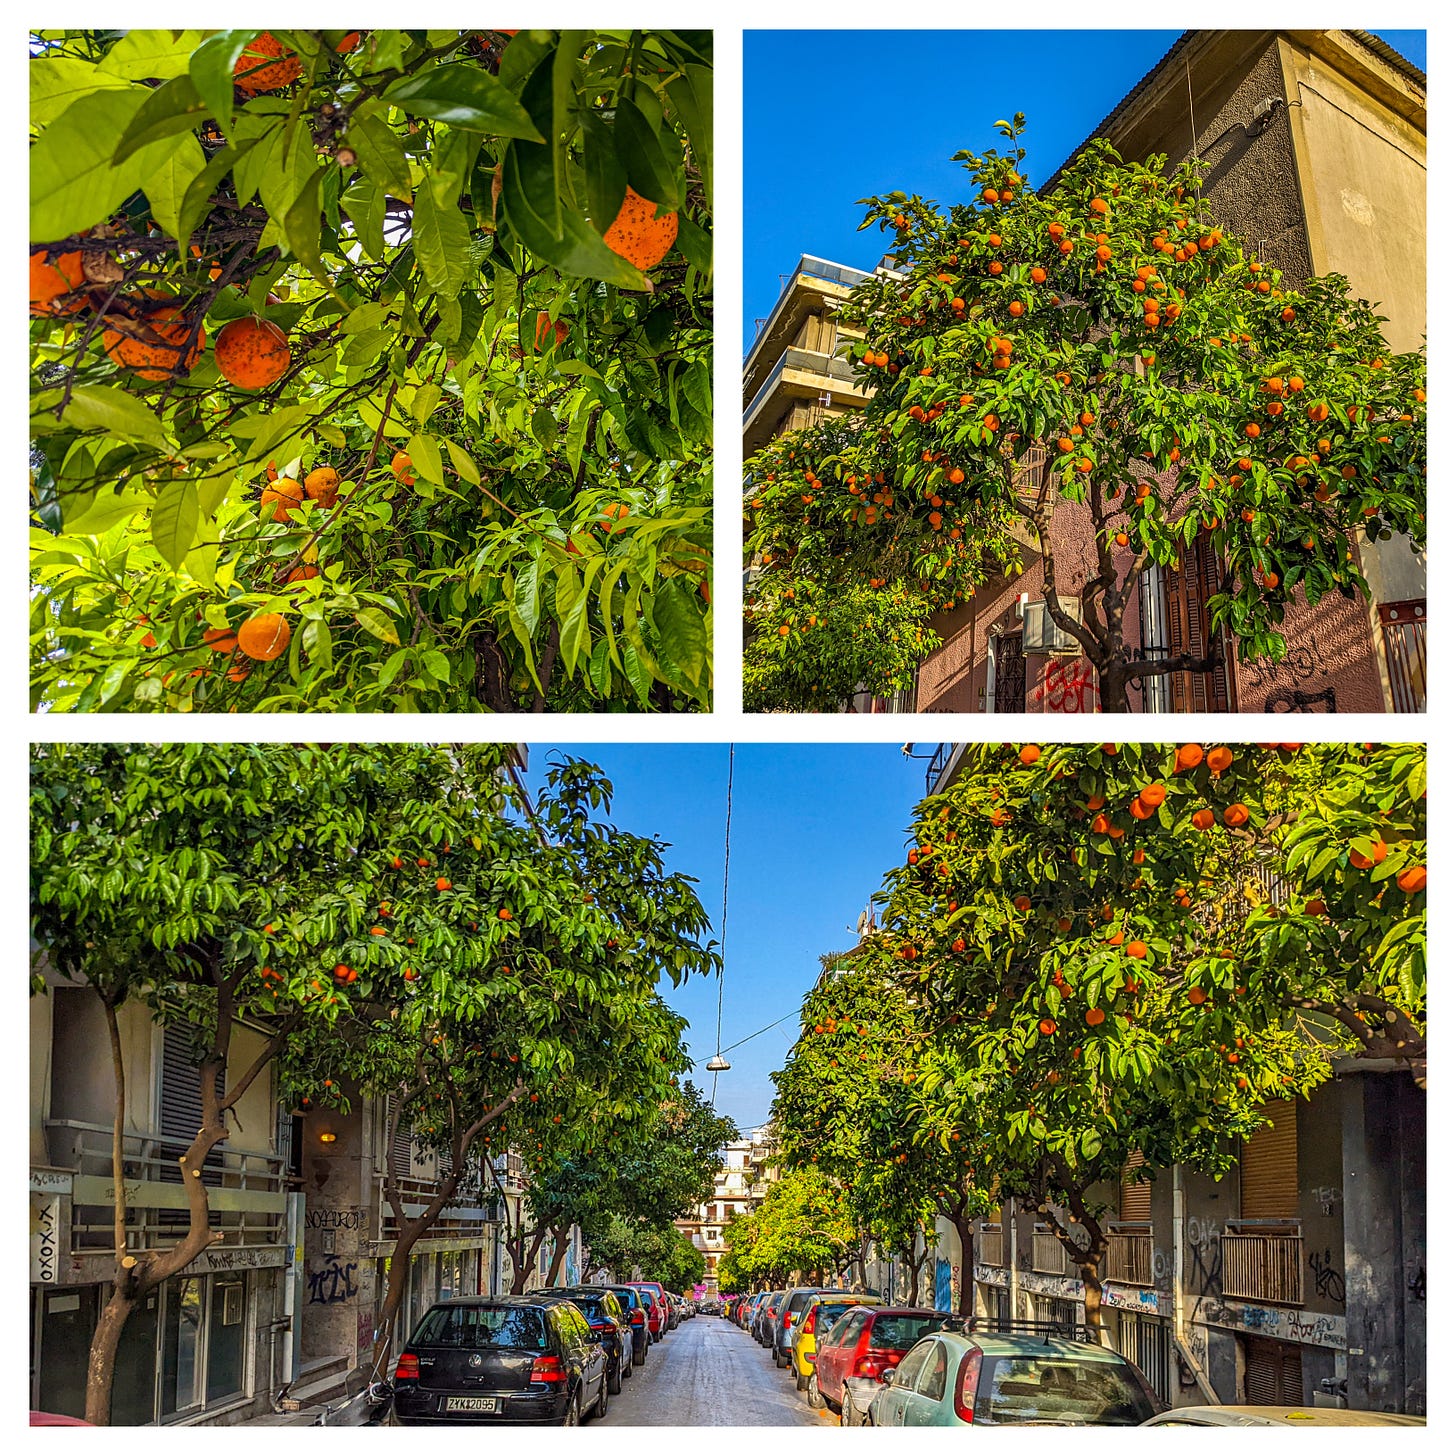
x=954 y=1379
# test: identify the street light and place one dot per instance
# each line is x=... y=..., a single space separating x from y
x=717 y=1063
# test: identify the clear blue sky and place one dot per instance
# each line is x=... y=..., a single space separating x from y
x=814 y=829
x=833 y=116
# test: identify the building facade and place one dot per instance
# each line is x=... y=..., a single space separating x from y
x=739 y=1187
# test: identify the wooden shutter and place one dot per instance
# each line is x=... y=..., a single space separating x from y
x=1269 y=1165
x=1273 y=1373
x=1137 y=1198
x=401 y=1161
x=179 y=1115
x=1187 y=591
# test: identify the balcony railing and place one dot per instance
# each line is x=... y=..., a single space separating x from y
x=938 y=760
x=467 y=1214
x=1047 y=1254
x=247 y=1190
x=990 y=1247
x=1267 y=1267
x=1129 y=1257
x=830 y=366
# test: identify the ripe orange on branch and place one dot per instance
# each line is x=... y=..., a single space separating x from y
x=49 y=280
x=638 y=234
x=266 y=64
x=252 y=353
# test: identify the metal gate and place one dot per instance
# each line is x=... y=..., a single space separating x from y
x=1148 y=1343
x=1010 y=674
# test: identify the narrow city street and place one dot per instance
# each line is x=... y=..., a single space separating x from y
x=708 y=1372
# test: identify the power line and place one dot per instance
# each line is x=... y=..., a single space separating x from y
x=723 y=923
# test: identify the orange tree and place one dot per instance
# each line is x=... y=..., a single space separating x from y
x=1101 y=350
x=1076 y=922
x=371 y=371
x=218 y=886
x=850 y=1103
x=804 y=1228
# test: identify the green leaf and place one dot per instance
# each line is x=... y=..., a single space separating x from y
x=103 y=407
x=465 y=96
x=442 y=240
x=436 y=664
x=464 y=466
x=174 y=521
x=528 y=594
x=168 y=183
x=650 y=170
x=211 y=69
x=378 y=624
x=73 y=183
x=151 y=55
x=198 y=198
x=681 y=632
x=381 y=155
x=425 y=455
x=303 y=223
x=606 y=177
x=695 y=244
x=57 y=81
x=170 y=109
x=692 y=98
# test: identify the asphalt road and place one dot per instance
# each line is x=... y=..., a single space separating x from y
x=708 y=1372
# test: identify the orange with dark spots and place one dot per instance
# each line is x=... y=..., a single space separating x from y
x=252 y=353
x=266 y=64
x=50 y=280
x=638 y=234
x=265 y=636
x=157 y=346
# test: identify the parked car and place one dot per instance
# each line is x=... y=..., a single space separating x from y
x=522 y=1358
x=787 y=1314
x=851 y=1356
x=635 y=1303
x=764 y=1315
x=657 y=1309
x=1291 y=1417
x=951 y=1378
x=751 y=1306
x=610 y=1326
x=820 y=1314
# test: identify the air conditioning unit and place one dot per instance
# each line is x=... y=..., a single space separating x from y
x=1041 y=634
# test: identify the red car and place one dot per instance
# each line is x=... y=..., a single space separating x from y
x=850 y=1357
x=656 y=1309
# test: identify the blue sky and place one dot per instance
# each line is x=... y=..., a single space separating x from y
x=814 y=829
x=833 y=116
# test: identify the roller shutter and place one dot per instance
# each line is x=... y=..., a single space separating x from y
x=1189 y=630
x=1136 y=1204
x=1269 y=1166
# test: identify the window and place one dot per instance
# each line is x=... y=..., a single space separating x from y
x=1186 y=593
x=932 y=1377
x=473 y=1326
x=1015 y=1389
x=907 y=1372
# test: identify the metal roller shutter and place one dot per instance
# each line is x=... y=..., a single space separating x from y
x=1273 y=1373
x=1269 y=1166
x=1136 y=1204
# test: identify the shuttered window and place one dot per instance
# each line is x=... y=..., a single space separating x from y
x=401 y=1162
x=179 y=1116
x=1273 y=1373
x=1269 y=1166
x=1136 y=1205
x=1187 y=591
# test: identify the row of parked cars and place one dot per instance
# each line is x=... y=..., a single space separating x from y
x=552 y=1357
x=877 y=1364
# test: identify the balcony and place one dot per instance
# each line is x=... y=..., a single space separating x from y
x=1129 y=1257
x=1047 y=1254
x=1265 y=1267
x=990 y=1247
x=247 y=1193
x=465 y=1216
x=806 y=374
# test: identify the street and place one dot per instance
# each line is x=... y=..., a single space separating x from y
x=708 y=1372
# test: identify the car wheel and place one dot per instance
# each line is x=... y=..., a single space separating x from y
x=627 y=1364
x=779 y=1359
x=639 y=1353
x=848 y=1415
x=614 y=1380
x=801 y=1382
x=573 y=1411
x=816 y=1401
x=604 y=1399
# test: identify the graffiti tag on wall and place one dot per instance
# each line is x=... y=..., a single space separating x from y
x=334 y=1283
x=334 y=1218
x=1329 y=1282
x=1067 y=686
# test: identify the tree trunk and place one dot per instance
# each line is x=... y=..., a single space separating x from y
x=101 y=1359
x=523 y=1268
x=1112 y=685
x=966 y=1299
x=1092 y=1299
x=558 y=1256
x=399 y=1263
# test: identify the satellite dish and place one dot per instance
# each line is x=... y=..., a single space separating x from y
x=863 y=923
x=718 y=1063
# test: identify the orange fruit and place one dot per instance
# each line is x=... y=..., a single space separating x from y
x=1412 y=879
x=282 y=495
x=1203 y=819
x=1137 y=950
x=302 y=573
x=1377 y=856
x=1236 y=815
x=265 y=636
x=1220 y=758
x=1153 y=795
x=49 y=281
x=220 y=639
x=1095 y=1016
x=1030 y=754
x=253 y=72
x=1190 y=755
x=158 y=346
x=638 y=234
x=322 y=485
x=252 y=353
x=1197 y=995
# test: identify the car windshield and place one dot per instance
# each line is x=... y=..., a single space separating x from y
x=1018 y=1388
x=629 y=1297
x=900 y=1331
x=828 y=1313
x=475 y=1327
x=593 y=1307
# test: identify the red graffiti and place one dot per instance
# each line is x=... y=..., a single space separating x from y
x=1069 y=685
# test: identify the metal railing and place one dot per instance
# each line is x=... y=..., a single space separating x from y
x=1267 y=1267
x=936 y=766
x=1129 y=1257
x=150 y=1167
x=1047 y=1254
x=831 y=366
x=465 y=1214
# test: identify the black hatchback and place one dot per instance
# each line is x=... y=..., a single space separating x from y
x=631 y=1299
x=610 y=1324
x=518 y=1359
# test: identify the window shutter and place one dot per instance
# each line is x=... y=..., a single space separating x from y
x=1187 y=591
x=1137 y=1198
x=401 y=1161
x=1269 y=1165
x=1273 y=1373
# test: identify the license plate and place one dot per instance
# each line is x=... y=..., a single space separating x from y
x=486 y=1404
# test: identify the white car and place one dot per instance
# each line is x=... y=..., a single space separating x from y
x=1279 y=1415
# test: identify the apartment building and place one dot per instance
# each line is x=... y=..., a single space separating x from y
x=739 y=1187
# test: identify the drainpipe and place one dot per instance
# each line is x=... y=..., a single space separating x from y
x=1013 y=1283
x=1180 y=1341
